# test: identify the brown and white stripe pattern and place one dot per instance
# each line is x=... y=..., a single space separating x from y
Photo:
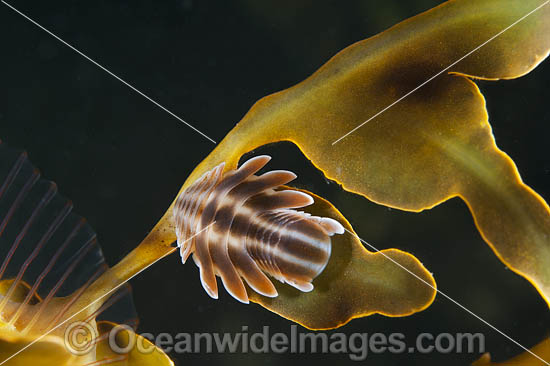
x=239 y=227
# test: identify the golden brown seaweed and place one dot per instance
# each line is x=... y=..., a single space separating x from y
x=434 y=145
x=542 y=350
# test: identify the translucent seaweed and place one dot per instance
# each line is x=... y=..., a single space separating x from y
x=49 y=256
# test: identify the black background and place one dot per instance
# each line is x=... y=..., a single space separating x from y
x=121 y=159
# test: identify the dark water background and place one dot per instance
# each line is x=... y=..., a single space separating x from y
x=121 y=159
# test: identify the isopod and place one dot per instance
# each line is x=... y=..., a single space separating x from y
x=240 y=226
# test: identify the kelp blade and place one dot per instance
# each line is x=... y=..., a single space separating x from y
x=433 y=145
x=542 y=350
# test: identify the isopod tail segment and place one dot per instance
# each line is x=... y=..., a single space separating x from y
x=241 y=226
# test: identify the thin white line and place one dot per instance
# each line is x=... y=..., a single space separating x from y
x=441 y=72
x=99 y=298
x=450 y=298
x=109 y=72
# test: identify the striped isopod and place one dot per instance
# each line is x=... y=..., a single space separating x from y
x=239 y=227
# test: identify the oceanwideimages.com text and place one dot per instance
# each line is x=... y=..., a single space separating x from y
x=356 y=345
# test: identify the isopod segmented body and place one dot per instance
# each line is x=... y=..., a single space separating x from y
x=239 y=227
